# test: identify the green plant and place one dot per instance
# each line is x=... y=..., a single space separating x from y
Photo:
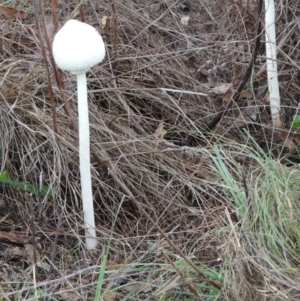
x=295 y=124
x=206 y=290
x=40 y=295
x=43 y=190
x=104 y=260
x=35 y=294
x=266 y=201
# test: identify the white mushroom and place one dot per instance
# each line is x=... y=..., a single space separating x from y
x=76 y=48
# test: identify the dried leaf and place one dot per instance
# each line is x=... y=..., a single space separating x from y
x=208 y=70
x=202 y=69
x=43 y=265
x=112 y=265
x=49 y=29
x=284 y=135
x=110 y=296
x=70 y=296
x=15 y=253
x=103 y=22
x=297 y=139
x=29 y=254
x=160 y=131
x=212 y=80
x=9 y=12
x=246 y=94
x=251 y=112
x=185 y=20
x=144 y=288
x=13 y=237
x=261 y=91
x=247 y=116
x=227 y=97
x=223 y=88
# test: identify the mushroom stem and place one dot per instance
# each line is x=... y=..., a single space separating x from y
x=84 y=162
x=271 y=53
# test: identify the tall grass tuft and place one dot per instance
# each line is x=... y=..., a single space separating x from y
x=265 y=195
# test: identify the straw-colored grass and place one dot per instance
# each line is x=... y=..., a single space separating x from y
x=227 y=199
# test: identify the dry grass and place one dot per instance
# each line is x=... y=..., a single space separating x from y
x=145 y=138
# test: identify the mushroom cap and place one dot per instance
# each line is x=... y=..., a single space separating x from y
x=77 y=47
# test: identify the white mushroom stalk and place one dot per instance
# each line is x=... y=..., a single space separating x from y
x=271 y=54
x=76 y=48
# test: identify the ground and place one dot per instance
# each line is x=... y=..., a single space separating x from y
x=188 y=206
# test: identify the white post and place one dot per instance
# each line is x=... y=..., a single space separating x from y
x=271 y=54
